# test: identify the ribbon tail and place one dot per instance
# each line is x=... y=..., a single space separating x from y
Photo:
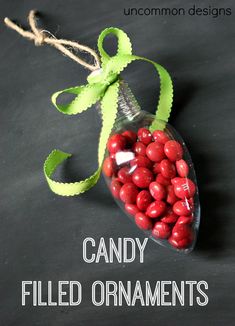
x=165 y=97
x=109 y=110
x=57 y=157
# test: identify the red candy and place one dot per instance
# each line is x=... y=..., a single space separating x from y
x=182 y=168
x=174 y=181
x=128 y=193
x=142 y=177
x=116 y=143
x=124 y=175
x=184 y=188
x=109 y=167
x=141 y=161
x=185 y=220
x=161 y=230
x=143 y=200
x=167 y=169
x=182 y=236
x=180 y=244
x=156 y=209
x=139 y=148
x=173 y=150
x=130 y=136
x=155 y=152
x=170 y=217
x=182 y=207
x=144 y=135
x=115 y=188
x=171 y=197
x=162 y=180
x=160 y=136
x=156 y=168
x=182 y=231
x=157 y=190
x=131 y=209
x=143 y=221
x=149 y=176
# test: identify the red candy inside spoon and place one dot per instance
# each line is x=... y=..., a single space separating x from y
x=151 y=176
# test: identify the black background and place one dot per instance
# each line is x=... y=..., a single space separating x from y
x=41 y=234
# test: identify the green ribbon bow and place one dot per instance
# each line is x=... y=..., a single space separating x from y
x=103 y=86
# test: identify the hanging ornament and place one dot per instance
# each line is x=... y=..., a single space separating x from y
x=145 y=162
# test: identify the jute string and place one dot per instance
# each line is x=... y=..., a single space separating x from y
x=41 y=37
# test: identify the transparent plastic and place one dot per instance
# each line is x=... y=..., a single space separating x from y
x=176 y=225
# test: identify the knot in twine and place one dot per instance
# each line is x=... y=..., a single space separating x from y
x=39 y=40
x=40 y=37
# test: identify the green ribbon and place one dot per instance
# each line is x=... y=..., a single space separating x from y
x=103 y=86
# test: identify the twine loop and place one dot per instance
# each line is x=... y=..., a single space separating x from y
x=40 y=37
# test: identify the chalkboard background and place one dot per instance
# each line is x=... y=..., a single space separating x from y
x=41 y=234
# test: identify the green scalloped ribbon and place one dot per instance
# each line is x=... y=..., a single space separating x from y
x=103 y=86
